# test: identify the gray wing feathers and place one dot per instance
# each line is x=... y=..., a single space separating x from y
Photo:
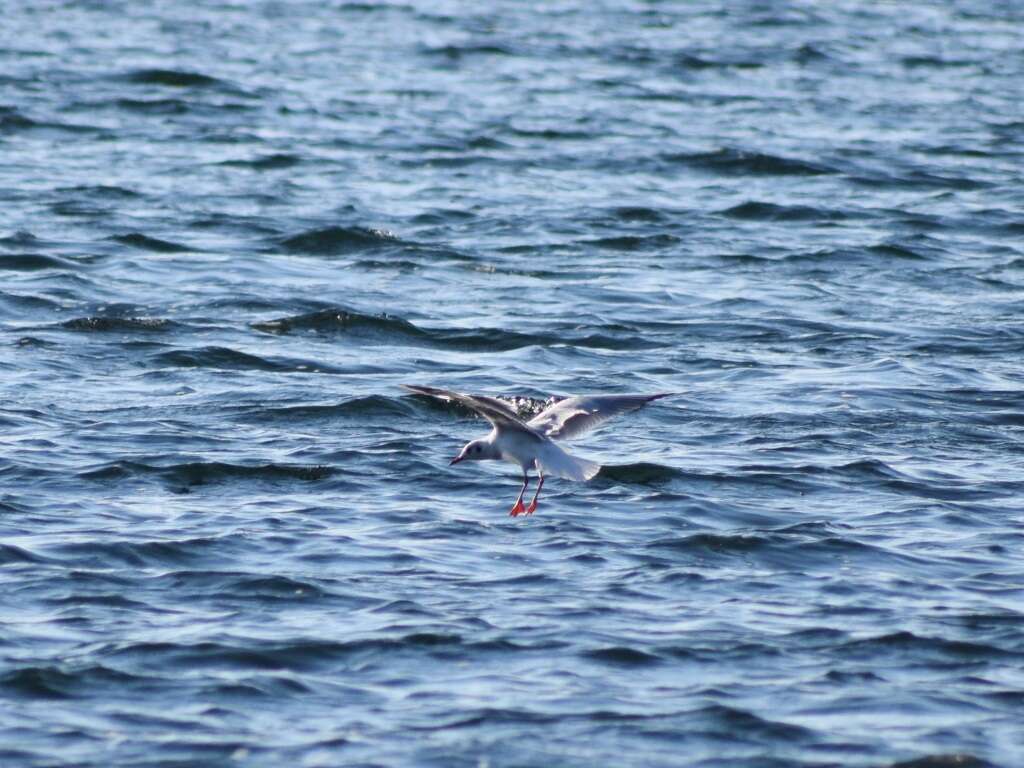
x=492 y=409
x=574 y=416
x=564 y=420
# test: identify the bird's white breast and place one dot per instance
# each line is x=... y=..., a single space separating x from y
x=517 y=448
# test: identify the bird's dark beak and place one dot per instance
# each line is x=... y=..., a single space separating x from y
x=456 y=460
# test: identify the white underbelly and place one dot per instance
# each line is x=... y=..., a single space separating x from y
x=519 y=449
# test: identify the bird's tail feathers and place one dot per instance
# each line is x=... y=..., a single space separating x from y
x=562 y=464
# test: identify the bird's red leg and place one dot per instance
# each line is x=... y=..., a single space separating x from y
x=533 y=504
x=518 y=506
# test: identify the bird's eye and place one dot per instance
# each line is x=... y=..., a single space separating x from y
x=476 y=449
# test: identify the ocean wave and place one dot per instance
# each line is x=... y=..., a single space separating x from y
x=640 y=473
x=13 y=121
x=140 y=553
x=333 y=241
x=31 y=262
x=306 y=654
x=273 y=162
x=455 y=52
x=923 y=647
x=623 y=656
x=945 y=760
x=225 y=358
x=337 y=320
x=56 y=682
x=719 y=543
x=147 y=243
x=897 y=250
x=146 y=106
x=910 y=178
x=9 y=553
x=730 y=161
x=103 y=191
x=241 y=585
x=639 y=213
x=389 y=329
x=356 y=408
x=119 y=324
x=754 y=210
x=174 y=78
x=634 y=242
x=193 y=473
x=781 y=550
x=738 y=720
x=698 y=62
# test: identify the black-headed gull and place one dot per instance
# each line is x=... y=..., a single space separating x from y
x=532 y=443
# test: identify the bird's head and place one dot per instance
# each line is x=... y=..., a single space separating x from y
x=476 y=450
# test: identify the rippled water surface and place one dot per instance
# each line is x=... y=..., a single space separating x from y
x=229 y=231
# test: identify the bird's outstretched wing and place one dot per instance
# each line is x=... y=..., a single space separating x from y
x=492 y=409
x=574 y=416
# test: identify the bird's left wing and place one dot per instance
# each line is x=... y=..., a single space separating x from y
x=492 y=409
x=574 y=416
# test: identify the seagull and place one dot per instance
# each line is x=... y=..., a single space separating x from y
x=531 y=444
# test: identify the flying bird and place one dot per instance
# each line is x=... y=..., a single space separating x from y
x=531 y=444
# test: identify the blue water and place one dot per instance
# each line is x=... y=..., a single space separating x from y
x=229 y=231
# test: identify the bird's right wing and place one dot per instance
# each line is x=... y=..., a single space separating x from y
x=492 y=409
x=574 y=416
